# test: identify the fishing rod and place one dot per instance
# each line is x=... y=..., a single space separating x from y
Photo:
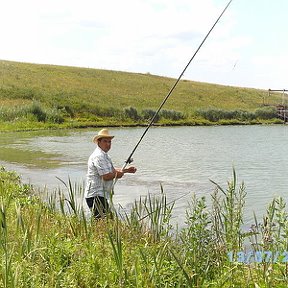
x=129 y=159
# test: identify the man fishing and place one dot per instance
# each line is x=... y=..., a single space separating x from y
x=101 y=175
x=101 y=172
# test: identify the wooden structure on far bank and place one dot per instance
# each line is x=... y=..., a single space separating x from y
x=282 y=108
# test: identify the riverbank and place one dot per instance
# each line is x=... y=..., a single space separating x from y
x=14 y=126
x=53 y=243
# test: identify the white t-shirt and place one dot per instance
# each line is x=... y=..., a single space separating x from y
x=99 y=164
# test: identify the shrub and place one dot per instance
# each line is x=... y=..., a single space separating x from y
x=12 y=113
x=66 y=110
x=171 y=114
x=266 y=113
x=108 y=112
x=54 y=116
x=96 y=110
x=132 y=113
x=212 y=115
x=148 y=114
x=38 y=112
x=215 y=115
x=245 y=115
x=31 y=113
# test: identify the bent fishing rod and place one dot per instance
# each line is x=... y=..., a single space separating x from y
x=129 y=159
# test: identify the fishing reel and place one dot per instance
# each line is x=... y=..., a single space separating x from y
x=129 y=161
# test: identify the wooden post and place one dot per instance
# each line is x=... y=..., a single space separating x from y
x=282 y=111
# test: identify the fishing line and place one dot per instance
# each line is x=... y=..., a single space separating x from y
x=171 y=202
x=152 y=212
x=129 y=159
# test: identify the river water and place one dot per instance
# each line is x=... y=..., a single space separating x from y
x=181 y=159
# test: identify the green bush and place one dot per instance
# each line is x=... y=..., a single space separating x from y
x=54 y=116
x=215 y=115
x=93 y=109
x=171 y=114
x=132 y=113
x=12 y=113
x=33 y=113
x=108 y=112
x=38 y=112
x=245 y=115
x=66 y=110
x=148 y=114
x=212 y=115
x=266 y=113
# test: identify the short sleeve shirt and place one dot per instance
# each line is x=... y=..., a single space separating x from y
x=99 y=164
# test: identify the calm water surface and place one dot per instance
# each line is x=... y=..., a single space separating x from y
x=182 y=159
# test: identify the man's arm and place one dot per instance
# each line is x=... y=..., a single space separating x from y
x=118 y=173
x=113 y=175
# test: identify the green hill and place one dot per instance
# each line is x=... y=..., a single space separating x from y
x=34 y=96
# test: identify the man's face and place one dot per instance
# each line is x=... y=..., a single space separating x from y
x=105 y=144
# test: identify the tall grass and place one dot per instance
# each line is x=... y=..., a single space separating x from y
x=56 y=244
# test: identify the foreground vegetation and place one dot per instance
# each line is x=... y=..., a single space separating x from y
x=54 y=244
x=34 y=96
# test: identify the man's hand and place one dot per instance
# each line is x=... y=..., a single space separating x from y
x=131 y=169
x=118 y=173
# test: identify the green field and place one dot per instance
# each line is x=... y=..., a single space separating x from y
x=34 y=96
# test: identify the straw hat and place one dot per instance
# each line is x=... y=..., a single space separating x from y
x=104 y=133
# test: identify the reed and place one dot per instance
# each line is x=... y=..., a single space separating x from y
x=55 y=244
x=228 y=213
x=114 y=236
x=152 y=214
x=73 y=198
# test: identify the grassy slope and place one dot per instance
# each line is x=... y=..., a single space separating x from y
x=85 y=90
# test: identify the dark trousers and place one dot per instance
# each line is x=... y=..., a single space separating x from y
x=98 y=205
